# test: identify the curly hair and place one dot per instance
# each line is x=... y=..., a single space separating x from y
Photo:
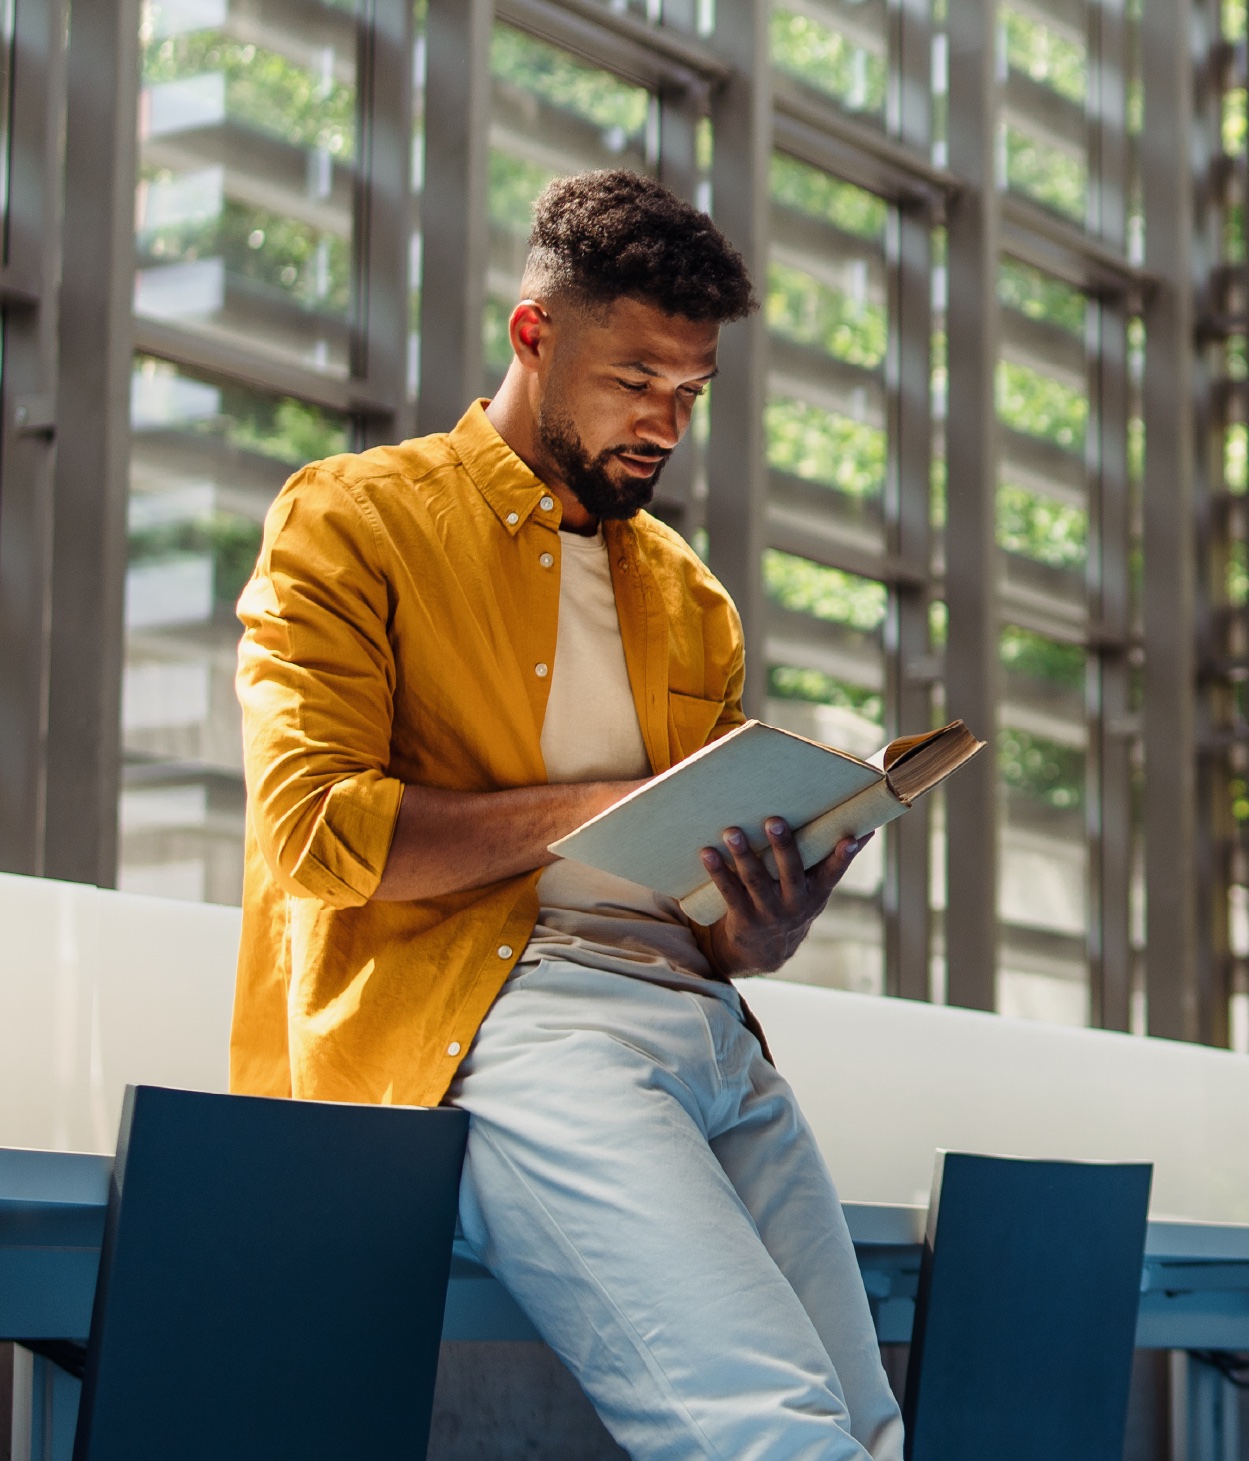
x=601 y=236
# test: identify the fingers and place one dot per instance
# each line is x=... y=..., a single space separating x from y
x=755 y=878
x=826 y=875
x=736 y=898
x=789 y=869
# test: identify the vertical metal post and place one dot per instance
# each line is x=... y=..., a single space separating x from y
x=383 y=217
x=26 y=422
x=93 y=445
x=681 y=107
x=971 y=557
x=455 y=240
x=908 y=513
x=1170 y=668
x=1109 y=801
x=741 y=114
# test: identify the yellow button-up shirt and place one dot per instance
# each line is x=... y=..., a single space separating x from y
x=399 y=628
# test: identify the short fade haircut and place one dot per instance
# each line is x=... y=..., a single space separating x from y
x=602 y=236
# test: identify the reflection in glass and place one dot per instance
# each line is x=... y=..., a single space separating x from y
x=837 y=49
x=551 y=114
x=207 y=460
x=1043 y=137
x=247 y=175
x=826 y=681
x=1042 y=754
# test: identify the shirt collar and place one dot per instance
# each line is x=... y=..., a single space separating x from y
x=507 y=484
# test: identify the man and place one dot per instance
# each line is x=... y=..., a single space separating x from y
x=457 y=650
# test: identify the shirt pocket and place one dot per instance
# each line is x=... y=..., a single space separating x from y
x=691 y=719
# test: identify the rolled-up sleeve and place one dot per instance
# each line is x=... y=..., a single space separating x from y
x=316 y=682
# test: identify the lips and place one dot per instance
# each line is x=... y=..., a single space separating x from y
x=640 y=466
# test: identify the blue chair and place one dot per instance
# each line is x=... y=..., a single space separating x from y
x=1025 y=1320
x=272 y=1280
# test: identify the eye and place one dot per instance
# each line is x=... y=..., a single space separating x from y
x=637 y=387
x=694 y=391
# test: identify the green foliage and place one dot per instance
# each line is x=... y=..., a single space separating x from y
x=514 y=184
x=1046 y=173
x=804 y=587
x=1236 y=575
x=1037 y=658
x=938 y=623
x=1040 y=528
x=1041 y=406
x=1236 y=457
x=263 y=89
x=815 y=444
x=284 y=254
x=1238 y=793
x=531 y=65
x=233 y=543
x=819 y=195
x=1045 y=55
x=1041 y=769
x=290 y=431
x=496 y=343
x=810 y=312
x=1234 y=20
x=786 y=682
x=827 y=60
x=1040 y=296
x=1234 y=129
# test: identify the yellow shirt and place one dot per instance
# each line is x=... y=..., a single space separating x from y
x=400 y=627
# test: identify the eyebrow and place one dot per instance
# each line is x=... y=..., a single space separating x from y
x=643 y=369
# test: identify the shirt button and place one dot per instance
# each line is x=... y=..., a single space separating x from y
x=453 y=1048
x=547 y=560
x=546 y=504
x=505 y=951
x=512 y=519
x=540 y=671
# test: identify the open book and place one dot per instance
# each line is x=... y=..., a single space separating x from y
x=654 y=835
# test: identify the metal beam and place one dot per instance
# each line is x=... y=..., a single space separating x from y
x=93 y=445
x=971 y=661
x=26 y=418
x=1109 y=802
x=1170 y=670
x=383 y=216
x=741 y=115
x=907 y=509
x=455 y=241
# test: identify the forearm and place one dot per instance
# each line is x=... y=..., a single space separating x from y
x=447 y=841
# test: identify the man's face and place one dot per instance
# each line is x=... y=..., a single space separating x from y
x=617 y=398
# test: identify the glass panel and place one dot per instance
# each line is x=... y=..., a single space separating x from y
x=834 y=47
x=1043 y=406
x=828 y=317
x=207 y=460
x=551 y=115
x=1042 y=900
x=247 y=175
x=1043 y=131
x=826 y=681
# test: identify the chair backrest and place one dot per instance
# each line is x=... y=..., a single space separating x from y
x=1025 y=1320
x=272 y=1280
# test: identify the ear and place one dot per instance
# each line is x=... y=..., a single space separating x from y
x=529 y=330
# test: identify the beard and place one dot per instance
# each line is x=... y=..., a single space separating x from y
x=588 y=478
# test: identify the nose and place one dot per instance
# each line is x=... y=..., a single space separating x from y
x=663 y=423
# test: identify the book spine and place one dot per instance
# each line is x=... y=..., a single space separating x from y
x=857 y=817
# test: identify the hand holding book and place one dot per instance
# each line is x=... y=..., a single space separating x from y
x=655 y=835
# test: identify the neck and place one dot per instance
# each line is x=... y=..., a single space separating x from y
x=514 y=415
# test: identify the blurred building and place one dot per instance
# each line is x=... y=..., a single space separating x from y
x=982 y=454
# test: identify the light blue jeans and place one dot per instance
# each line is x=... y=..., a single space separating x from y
x=644 y=1184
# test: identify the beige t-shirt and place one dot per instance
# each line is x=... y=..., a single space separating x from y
x=591 y=733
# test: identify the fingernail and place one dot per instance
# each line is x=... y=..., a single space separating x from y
x=735 y=839
x=710 y=860
x=776 y=827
